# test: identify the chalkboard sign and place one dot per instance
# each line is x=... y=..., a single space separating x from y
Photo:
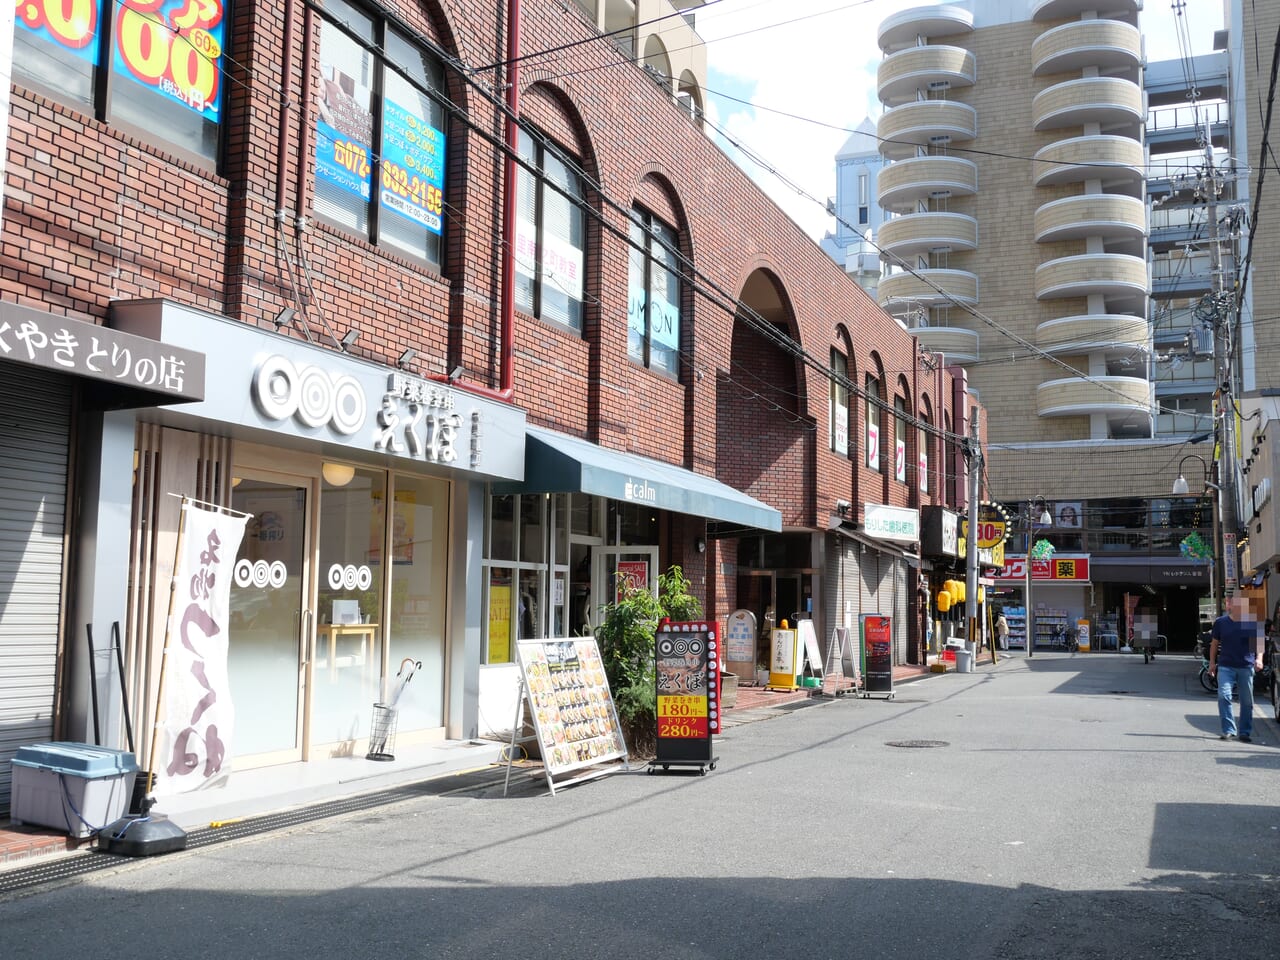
x=877 y=646
x=688 y=692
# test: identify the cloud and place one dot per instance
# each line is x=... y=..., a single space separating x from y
x=817 y=59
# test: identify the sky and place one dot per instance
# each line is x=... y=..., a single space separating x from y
x=816 y=60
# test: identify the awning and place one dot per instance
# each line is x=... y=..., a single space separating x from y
x=1155 y=571
x=558 y=463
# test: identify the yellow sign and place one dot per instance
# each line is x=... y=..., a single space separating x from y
x=500 y=623
x=990 y=533
x=783 y=659
x=682 y=706
x=990 y=556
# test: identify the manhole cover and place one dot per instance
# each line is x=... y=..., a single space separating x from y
x=917 y=743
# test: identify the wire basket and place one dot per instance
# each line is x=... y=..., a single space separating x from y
x=382 y=733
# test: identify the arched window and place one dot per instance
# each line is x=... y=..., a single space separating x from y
x=550 y=234
x=380 y=142
x=653 y=295
x=839 y=402
x=873 y=422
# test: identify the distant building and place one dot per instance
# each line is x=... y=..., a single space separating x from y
x=857 y=212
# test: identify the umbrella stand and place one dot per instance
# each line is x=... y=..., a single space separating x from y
x=382 y=729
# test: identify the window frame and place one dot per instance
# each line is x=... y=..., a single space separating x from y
x=387 y=33
x=874 y=427
x=653 y=228
x=533 y=168
x=102 y=97
x=839 y=381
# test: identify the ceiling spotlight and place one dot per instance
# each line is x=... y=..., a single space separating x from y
x=284 y=316
x=350 y=337
x=406 y=358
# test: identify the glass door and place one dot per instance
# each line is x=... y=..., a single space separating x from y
x=271 y=623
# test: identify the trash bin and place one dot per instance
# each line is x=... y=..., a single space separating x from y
x=75 y=787
x=964 y=661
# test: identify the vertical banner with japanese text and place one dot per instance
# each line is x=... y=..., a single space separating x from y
x=199 y=715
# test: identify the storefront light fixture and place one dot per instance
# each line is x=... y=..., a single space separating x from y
x=284 y=316
x=337 y=474
x=348 y=338
x=406 y=358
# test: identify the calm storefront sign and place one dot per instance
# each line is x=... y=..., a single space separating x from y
x=896 y=524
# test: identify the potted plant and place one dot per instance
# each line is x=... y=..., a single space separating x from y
x=626 y=635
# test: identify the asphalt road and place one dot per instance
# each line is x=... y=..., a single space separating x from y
x=1071 y=806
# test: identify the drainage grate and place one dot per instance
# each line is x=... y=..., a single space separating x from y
x=93 y=861
x=917 y=743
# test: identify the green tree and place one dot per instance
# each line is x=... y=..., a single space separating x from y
x=626 y=635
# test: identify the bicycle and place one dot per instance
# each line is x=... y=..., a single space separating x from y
x=1207 y=680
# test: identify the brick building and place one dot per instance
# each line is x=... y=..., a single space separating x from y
x=407 y=289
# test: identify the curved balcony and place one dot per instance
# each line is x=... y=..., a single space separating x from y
x=901 y=74
x=932 y=288
x=1104 y=100
x=1118 y=397
x=903 y=184
x=1114 y=334
x=924 y=123
x=1115 y=275
x=957 y=344
x=1108 y=44
x=917 y=233
x=1107 y=158
x=1091 y=215
x=902 y=29
x=1061 y=9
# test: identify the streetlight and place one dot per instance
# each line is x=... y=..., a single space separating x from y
x=1046 y=520
x=1181 y=489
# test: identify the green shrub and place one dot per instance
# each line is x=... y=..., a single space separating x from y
x=626 y=636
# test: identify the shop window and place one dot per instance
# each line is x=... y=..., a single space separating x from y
x=155 y=67
x=839 y=403
x=525 y=597
x=380 y=141
x=550 y=235
x=653 y=295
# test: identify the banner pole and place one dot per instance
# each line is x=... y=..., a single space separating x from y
x=164 y=653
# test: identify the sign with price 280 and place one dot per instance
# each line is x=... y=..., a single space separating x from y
x=682 y=718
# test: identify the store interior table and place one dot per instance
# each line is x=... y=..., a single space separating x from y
x=330 y=632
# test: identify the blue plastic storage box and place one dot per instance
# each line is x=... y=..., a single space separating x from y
x=74 y=787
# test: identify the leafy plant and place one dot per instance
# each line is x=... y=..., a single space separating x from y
x=626 y=636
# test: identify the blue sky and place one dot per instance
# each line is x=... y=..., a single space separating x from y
x=817 y=59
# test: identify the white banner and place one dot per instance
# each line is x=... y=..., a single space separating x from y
x=199 y=716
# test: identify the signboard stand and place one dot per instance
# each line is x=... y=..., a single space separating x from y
x=835 y=682
x=688 y=687
x=784 y=660
x=574 y=717
x=877 y=645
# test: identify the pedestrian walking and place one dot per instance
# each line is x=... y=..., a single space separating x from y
x=1233 y=659
x=1002 y=631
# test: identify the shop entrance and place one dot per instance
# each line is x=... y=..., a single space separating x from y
x=271 y=619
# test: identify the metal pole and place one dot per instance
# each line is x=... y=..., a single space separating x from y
x=1029 y=619
x=1228 y=517
x=971 y=540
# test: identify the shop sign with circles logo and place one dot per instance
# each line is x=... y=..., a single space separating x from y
x=688 y=682
x=260 y=574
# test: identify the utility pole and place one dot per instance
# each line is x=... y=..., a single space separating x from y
x=971 y=538
x=1225 y=408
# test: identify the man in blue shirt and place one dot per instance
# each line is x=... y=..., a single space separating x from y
x=1233 y=658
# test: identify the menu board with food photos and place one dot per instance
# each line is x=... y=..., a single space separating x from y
x=573 y=713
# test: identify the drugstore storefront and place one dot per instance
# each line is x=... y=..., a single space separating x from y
x=365 y=491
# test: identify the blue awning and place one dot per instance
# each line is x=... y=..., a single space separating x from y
x=558 y=463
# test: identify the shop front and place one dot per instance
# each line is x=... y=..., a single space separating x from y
x=1060 y=596
x=58 y=377
x=1171 y=589
x=364 y=488
x=584 y=519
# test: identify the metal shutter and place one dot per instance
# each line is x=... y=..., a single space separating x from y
x=903 y=609
x=35 y=418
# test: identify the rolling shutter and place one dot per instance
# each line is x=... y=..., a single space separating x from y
x=35 y=416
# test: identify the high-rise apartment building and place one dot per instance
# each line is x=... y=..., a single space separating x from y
x=1063 y=217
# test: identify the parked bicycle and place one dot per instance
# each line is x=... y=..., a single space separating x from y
x=1207 y=680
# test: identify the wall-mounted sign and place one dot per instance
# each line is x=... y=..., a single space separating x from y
x=891 y=523
x=1061 y=567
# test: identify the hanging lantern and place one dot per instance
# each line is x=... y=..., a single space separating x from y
x=944 y=601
